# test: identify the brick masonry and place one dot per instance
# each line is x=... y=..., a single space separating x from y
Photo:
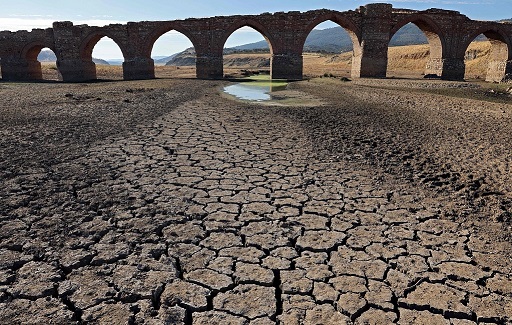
x=370 y=27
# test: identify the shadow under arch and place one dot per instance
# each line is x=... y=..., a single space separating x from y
x=500 y=51
x=435 y=39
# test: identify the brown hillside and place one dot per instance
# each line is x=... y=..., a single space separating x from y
x=404 y=61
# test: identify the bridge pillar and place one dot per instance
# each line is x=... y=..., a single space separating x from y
x=286 y=66
x=497 y=70
x=449 y=69
x=453 y=68
x=435 y=67
x=138 y=68
x=76 y=70
x=371 y=59
x=18 y=69
x=209 y=66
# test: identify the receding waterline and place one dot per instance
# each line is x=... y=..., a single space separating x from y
x=255 y=89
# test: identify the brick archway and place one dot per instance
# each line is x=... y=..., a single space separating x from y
x=162 y=29
x=30 y=53
x=344 y=22
x=257 y=26
x=500 y=55
x=371 y=28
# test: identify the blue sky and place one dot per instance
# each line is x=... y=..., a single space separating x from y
x=28 y=14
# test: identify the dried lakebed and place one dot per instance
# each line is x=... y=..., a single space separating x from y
x=162 y=202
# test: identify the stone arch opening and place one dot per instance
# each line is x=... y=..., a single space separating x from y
x=157 y=34
x=102 y=57
x=247 y=51
x=40 y=63
x=415 y=49
x=328 y=51
x=487 y=55
x=48 y=60
x=174 y=55
x=335 y=57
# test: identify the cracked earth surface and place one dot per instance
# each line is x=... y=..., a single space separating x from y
x=210 y=211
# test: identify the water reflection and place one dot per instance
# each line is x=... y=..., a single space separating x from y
x=246 y=91
x=255 y=89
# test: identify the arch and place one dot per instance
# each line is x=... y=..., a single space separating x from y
x=160 y=30
x=29 y=54
x=433 y=55
x=249 y=23
x=32 y=50
x=184 y=59
x=86 y=49
x=499 y=54
x=498 y=38
x=89 y=42
x=248 y=61
x=344 y=22
x=431 y=30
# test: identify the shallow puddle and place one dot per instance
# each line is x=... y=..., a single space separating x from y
x=258 y=88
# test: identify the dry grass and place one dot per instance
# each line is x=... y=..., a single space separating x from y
x=404 y=61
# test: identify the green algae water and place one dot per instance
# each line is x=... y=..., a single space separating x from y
x=256 y=88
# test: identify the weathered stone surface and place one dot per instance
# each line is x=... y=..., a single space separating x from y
x=247 y=300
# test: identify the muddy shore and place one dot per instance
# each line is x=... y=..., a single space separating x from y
x=162 y=201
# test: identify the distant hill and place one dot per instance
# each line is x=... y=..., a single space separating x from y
x=331 y=40
x=164 y=59
x=337 y=40
x=49 y=56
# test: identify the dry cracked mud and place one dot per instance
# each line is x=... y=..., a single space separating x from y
x=163 y=202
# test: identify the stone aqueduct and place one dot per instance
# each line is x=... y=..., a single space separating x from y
x=370 y=27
